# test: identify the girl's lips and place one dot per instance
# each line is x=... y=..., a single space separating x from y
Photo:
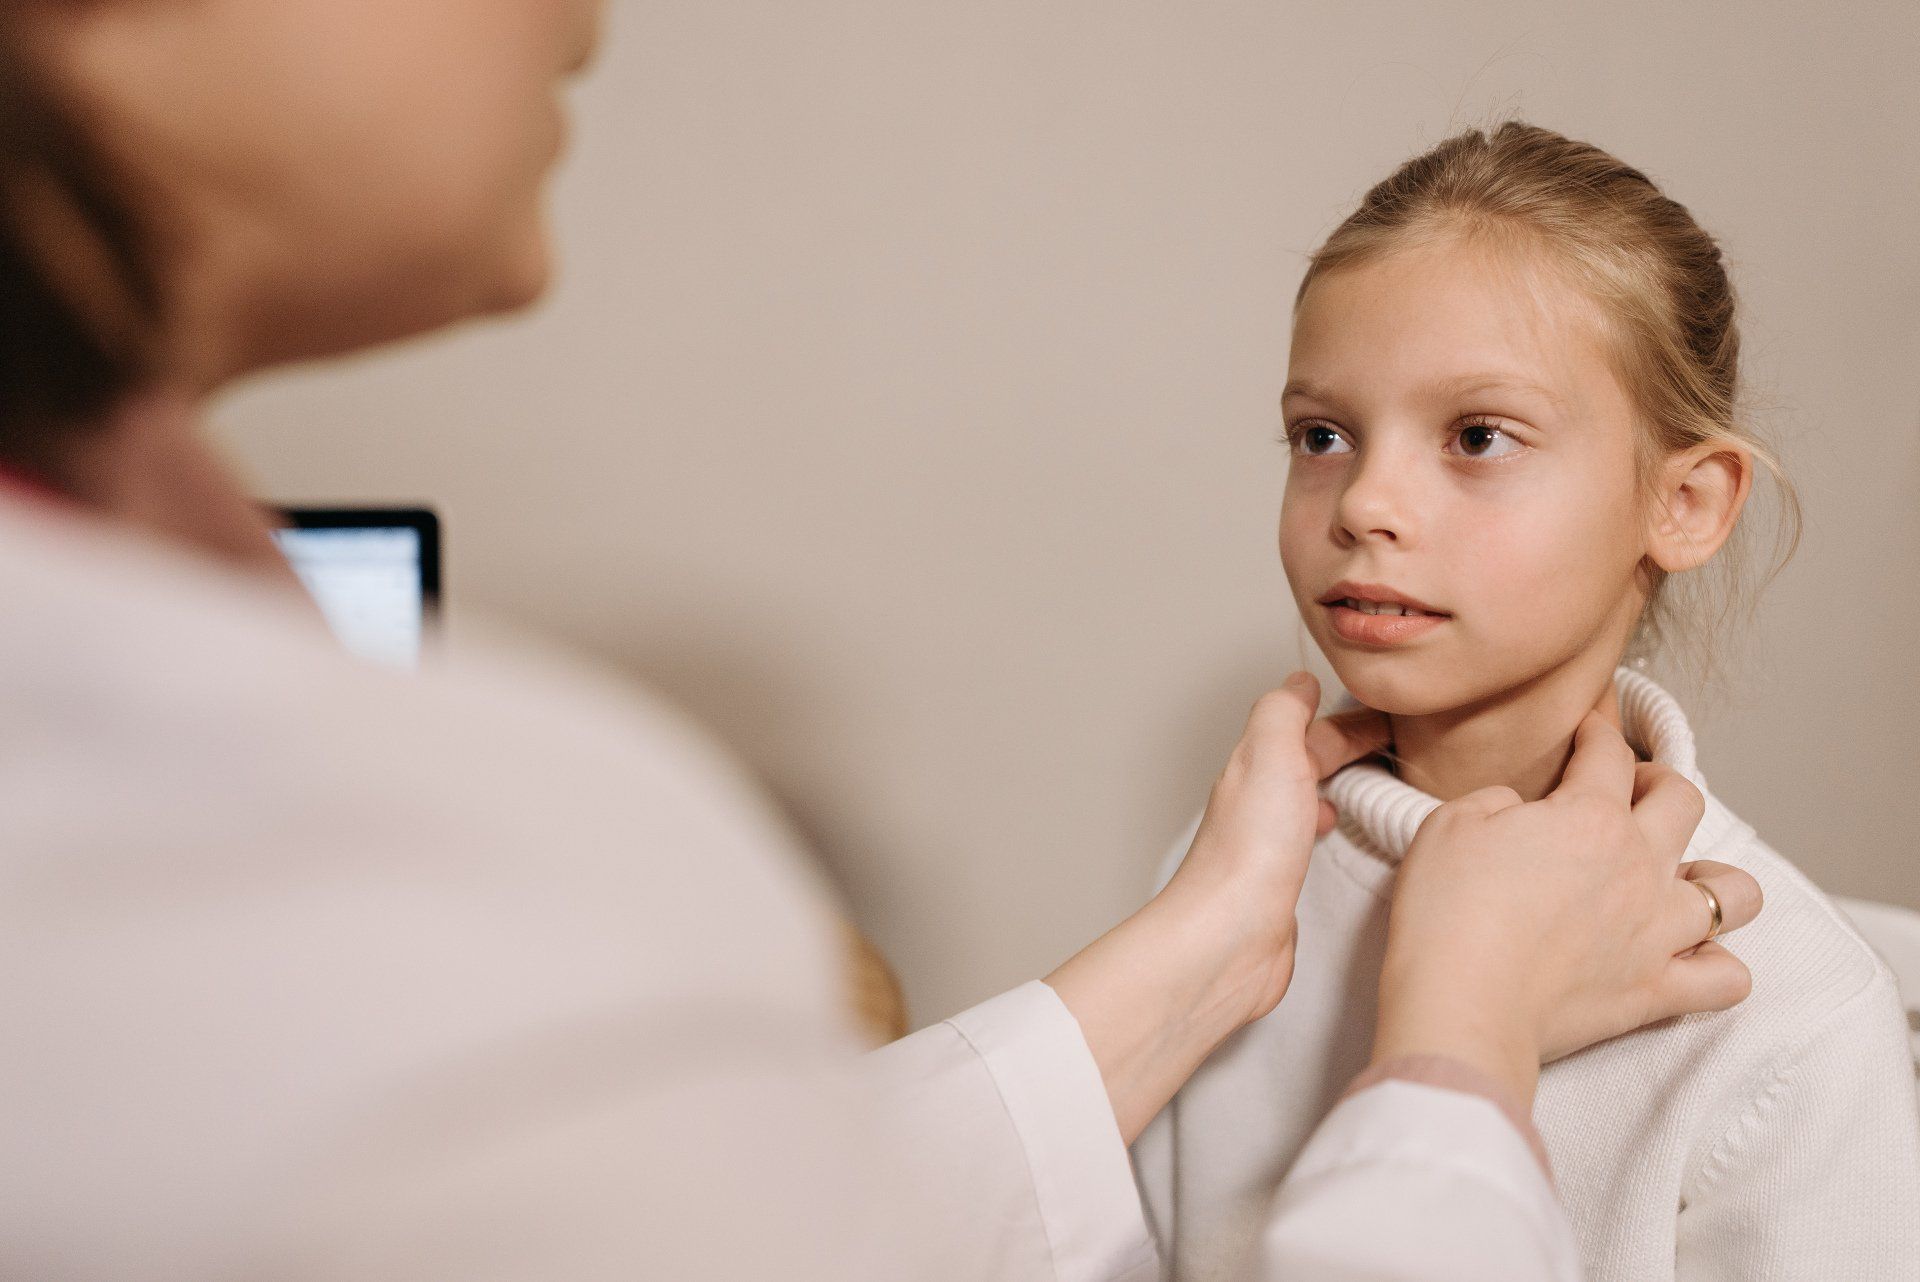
x=1361 y=628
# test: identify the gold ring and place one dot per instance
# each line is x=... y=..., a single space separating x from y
x=1713 y=902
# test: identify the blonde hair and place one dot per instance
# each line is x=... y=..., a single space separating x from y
x=1656 y=276
x=873 y=991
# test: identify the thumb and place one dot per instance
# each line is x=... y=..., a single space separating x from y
x=1484 y=801
x=1281 y=717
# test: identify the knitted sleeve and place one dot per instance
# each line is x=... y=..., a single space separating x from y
x=1819 y=1176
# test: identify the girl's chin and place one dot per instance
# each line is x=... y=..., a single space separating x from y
x=1397 y=687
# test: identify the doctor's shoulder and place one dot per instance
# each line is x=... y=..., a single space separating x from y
x=181 y=719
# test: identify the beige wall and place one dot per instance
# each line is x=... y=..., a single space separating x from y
x=907 y=406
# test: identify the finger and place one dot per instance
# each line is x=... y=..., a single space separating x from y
x=1484 y=801
x=1285 y=712
x=1738 y=893
x=1667 y=808
x=1711 y=979
x=1346 y=737
x=1686 y=917
x=1608 y=704
x=1329 y=817
x=1602 y=763
x=1276 y=729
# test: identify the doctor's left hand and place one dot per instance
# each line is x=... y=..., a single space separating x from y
x=1214 y=949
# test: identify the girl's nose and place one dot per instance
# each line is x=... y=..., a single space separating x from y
x=1375 y=505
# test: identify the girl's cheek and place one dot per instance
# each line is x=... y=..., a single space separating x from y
x=1556 y=566
x=1305 y=542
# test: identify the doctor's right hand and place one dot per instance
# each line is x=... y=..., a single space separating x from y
x=1249 y=856
x=1522 y=932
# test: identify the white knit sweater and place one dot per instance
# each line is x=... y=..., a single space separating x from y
x=1778 y=1140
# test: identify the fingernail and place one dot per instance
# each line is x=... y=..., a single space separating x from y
x=1297 y=680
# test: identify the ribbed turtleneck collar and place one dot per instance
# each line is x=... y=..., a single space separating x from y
x=1380 y=812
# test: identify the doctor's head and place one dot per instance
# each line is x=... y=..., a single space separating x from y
x=1511 y=411
x=207 y=187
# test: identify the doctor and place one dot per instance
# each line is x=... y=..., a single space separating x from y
x=311 y=971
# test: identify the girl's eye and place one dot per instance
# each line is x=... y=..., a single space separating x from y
x=1317 y=440
x=1483 y=440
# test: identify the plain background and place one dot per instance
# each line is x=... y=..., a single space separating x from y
x=907 y=406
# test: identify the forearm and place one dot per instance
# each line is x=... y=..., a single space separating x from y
x=1156 y=994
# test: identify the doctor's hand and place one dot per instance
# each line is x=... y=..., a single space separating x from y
x=1520 y=933
x=1250 y=854
x=1214 y=949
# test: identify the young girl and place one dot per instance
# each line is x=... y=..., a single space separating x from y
x=1511 y=416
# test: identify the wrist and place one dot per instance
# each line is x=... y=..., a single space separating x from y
x=1158 y=993
x=1239 y=947
x=1446 y=1020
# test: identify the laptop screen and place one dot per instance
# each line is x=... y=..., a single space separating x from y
x=375 y=573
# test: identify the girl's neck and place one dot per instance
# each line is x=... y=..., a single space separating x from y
x=1521 y=738
x=149 y=466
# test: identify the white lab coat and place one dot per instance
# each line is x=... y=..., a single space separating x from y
x=310 y=970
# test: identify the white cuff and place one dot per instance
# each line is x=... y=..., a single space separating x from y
x=1432 y=1181
x=1082 y=1177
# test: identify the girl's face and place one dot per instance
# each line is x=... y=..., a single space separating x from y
x=341 y=172
x=1460 y=449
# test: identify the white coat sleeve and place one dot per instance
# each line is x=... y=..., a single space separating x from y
x=1006 y=1103
x=1409 y=1182
x=980 y=1150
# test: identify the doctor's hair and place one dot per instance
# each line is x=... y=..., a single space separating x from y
x=1662 y=291
x=79 y=298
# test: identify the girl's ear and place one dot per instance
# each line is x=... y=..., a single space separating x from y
x=1700 y=494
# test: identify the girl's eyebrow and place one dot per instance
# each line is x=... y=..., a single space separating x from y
x=1300 y=387
x=1461 y=385
x=1469 y=384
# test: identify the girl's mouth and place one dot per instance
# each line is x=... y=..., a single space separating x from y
x=1385 y=607
x=1374 y=615
x=1379 y=623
